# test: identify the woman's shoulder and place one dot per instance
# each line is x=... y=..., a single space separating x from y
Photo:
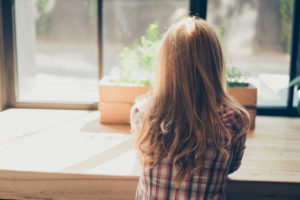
x=138 y=112
x=140 y=106
x=227 y=113
x=234 y=120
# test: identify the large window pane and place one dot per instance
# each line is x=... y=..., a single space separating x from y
x=257 y=41
x=57 y=59
x=125 y=21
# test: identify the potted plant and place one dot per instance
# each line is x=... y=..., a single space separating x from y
x=134 y=77
x=243 y=92
x=296 y=82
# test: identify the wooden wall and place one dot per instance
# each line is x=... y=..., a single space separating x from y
x=55 y=186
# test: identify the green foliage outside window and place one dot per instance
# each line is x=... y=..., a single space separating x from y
x=286 y=14
x=44 y=17
x=136 y=64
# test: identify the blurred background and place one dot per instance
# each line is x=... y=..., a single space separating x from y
x=57 y=45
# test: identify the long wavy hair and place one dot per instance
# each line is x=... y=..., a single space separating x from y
x=185 y=104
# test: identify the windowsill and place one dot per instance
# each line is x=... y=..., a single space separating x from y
x=66 y=141
x=74 y=142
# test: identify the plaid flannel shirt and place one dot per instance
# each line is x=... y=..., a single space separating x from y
x=209 y=183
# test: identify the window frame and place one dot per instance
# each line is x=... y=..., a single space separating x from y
x=2 y=82
x=7 y=59
x=8 y=65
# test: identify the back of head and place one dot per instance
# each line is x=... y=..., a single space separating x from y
x=191 y=60
x=184 y=111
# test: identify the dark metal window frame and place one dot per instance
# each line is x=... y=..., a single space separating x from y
x=197 y=8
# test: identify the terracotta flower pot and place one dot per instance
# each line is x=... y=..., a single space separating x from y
x=247 y=96
x=116 y=100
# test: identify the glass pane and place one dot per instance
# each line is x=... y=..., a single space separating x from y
x=126 y=22
x=257 y=41
x=296 y=96
x=57 y=55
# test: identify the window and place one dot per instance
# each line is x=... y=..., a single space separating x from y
x=57 y=50
x=125 y=21
x=297 y=92
x=257 y=40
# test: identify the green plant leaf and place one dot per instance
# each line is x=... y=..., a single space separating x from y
x=295 y=81
x=237 y=84
x=222 y=33
x=136 y=63
x=235 y=78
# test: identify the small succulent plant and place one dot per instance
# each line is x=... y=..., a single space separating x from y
x=235 y=78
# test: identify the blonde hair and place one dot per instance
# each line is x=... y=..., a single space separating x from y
x=184 y=109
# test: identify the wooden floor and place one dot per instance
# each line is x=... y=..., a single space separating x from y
x=59 y=154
